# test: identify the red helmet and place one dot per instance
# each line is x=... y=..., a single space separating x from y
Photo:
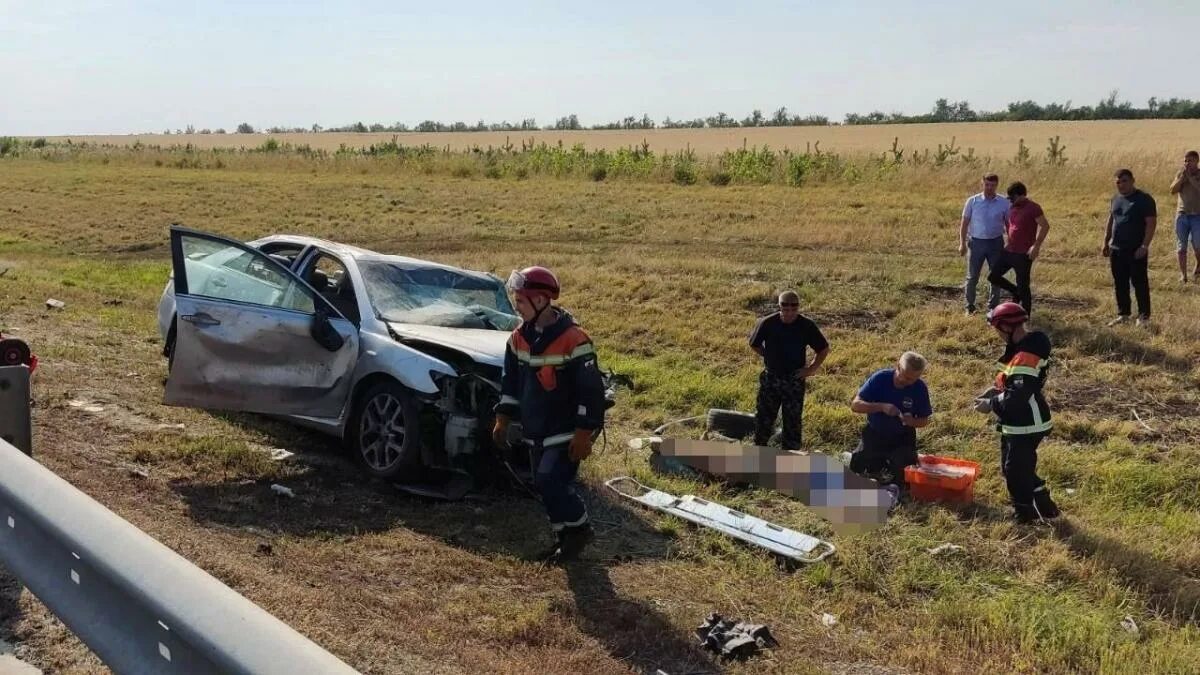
x=533 y=281
x=1007 y=314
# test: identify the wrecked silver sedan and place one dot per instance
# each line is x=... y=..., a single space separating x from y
x=399 y=357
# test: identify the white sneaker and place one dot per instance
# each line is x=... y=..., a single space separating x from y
x=1119 y=320
x=1143 y=321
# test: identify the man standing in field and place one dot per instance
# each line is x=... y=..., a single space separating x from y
x=552 y=385
x=783 y=340
x=896 y=403
x=1131 y=221
x=1026 y=230
x=982 y=234
x=1022 y=414
x=1187 y=219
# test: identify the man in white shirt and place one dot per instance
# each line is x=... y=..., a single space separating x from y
x=982 y=233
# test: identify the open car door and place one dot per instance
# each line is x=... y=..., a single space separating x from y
x=251 y=336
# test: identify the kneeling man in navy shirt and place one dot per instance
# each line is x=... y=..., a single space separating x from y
x=896 y=403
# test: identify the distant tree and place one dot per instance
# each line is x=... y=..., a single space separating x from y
x=245 y=128
x=219 y=131
x=377 y=127
x=190 y=129
x=754 y=119
x=206 y=131
x=568 y=123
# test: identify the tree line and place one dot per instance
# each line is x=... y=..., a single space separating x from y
x=1110 y=108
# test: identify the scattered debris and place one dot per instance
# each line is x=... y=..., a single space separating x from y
x=647 y=442
x=86 y=406
x=1141 y=422
x=264 y=548
x=139 y=472
x=1130 y=625
x=945 y=548
x=1069 y=491
x=279 y=454
x=169 y=427
x=828 y=620
x=734 y=639
x=779 y=540
x=114 y=303
x=282 y=490
x=51 y=303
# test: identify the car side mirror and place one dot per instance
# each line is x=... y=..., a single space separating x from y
x=324 y=333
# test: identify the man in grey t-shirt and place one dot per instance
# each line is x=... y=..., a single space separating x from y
x=982 y=233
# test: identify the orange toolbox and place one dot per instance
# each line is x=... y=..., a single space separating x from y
x=942 y=479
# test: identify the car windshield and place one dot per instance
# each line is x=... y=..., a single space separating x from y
x=434 y=296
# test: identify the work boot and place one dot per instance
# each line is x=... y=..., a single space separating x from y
x=551 y=553
x=1025 y=514
x=573 y=540
x=1045 y=506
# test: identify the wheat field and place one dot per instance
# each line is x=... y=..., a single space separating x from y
x=667 y=278
x=987 y=138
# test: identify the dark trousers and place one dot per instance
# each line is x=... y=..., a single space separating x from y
x=1020 y=291
x=1018 y=463
x=775 y=392
x=884 y=455
x=554 y=480
x=1128 y=270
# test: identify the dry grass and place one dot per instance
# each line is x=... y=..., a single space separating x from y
x=988 y=138
x=667 y=279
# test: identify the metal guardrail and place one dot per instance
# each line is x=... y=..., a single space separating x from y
x=136 y=603
x=14 y=407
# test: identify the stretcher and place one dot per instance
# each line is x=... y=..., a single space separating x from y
x=779 y=540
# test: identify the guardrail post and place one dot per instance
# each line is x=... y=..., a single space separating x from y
x=15 y=425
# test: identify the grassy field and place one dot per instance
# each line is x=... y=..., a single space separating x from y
x=988 y=138
x=668 y=279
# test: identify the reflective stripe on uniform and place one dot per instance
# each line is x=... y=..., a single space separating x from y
x=555 y=527
x=538 y=360
x=1031 y=429
x=556 y=439
x=509 y=400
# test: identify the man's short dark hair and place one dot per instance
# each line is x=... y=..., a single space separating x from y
x=1192 y=154
x=1123 y=173
x=1017 y=189
x=991 y=178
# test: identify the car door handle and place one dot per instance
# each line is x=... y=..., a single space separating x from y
x=200 y=319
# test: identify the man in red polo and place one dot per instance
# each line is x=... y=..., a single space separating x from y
x=1026 y=228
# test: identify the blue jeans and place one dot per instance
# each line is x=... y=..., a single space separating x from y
x=978 y=251
x=1187 y=227
x=555 y=482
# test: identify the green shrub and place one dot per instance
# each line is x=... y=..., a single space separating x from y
x=720 y=178
x=685 y=174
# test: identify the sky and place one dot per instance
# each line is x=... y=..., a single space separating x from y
x=88 y=67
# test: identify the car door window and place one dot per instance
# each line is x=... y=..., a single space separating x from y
x=223 y=272
x=329 y=277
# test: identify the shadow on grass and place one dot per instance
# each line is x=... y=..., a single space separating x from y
x=333 y=497
x=1124 y=345
x=10 y=609
x=1169 y=592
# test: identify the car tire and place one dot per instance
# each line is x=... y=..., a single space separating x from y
x=385 y=431
x=731 y=423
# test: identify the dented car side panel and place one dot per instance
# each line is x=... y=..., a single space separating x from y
x=258 y=359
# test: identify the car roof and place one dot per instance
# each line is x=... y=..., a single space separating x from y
x=357 y=253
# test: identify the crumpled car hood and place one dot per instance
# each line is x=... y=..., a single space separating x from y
x=483 y=346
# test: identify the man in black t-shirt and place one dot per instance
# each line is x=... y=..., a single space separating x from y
x=1131 y=222
x=783 y=340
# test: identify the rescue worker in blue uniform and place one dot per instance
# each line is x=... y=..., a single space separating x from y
x=1022 y=412
x=552 y=385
